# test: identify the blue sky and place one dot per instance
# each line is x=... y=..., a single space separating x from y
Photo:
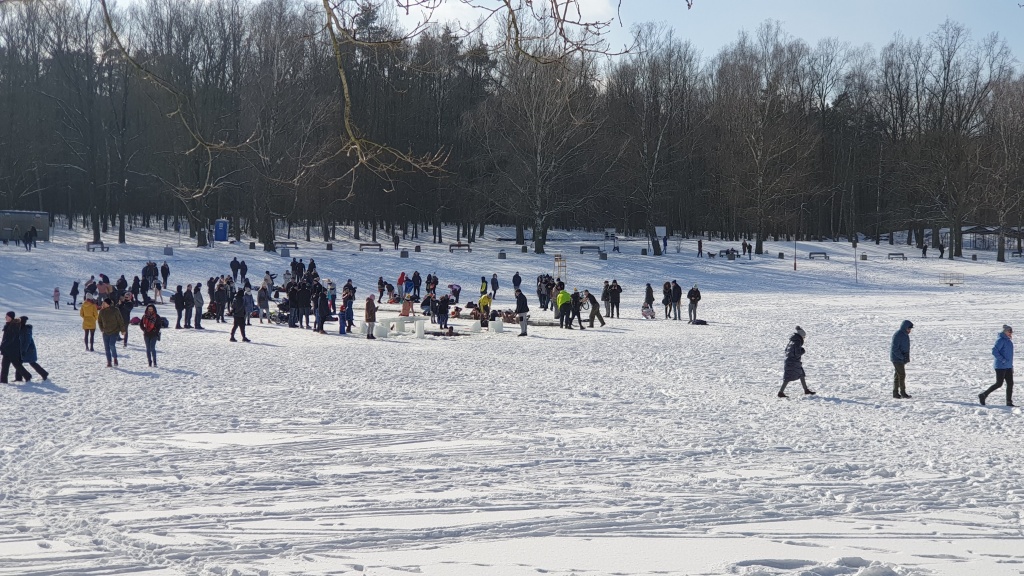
x=711 y=24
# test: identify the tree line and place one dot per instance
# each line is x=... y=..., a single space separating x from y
x=286 y=113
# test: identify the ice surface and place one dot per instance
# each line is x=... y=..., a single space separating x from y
x=639 y=448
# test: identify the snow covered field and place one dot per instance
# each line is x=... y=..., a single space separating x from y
x=645 y=447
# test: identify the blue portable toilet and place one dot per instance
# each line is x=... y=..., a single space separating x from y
x=220 y=230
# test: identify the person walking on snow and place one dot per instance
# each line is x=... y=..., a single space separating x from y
x=494 y=286
x=165 y=271
x=239 y=315
x=1003 y=352
x=899 y=354
x=74 y=295
x=28 y=350
x=56 y=298
x=10 y=350
x=794 y=368
x=150 y=325
x=111 y=324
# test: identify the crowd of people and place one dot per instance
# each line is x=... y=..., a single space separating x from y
x=302 y=294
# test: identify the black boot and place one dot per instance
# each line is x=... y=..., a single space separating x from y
x=896 y=394
x=905 y=395
x=981 y=398
x=782 y=394
x=809 y=391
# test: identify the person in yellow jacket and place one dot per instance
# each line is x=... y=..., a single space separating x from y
x=485 y=306
x=89 y=313
x=112 y=325
x=564 y=303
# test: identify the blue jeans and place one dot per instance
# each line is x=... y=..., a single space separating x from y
x=110 y=346
x=150 y=349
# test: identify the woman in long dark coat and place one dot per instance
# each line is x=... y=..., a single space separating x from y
x=794 y=368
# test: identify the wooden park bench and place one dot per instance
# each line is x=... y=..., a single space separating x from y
x=811 y=255
x=376 y=245
x=897 y=255
x=92 y=246
x=454 y=247
x=590 y=248
x=288 y=244
x=1015 y=253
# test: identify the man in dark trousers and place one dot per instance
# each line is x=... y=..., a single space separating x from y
x=676 y=299
x=614 y=293
x=243 y=270
x=700 y=248
x=239 y=314
x=165 y=271
x=694 y=297
x=595 y=308
x=10 y=350
x=899 y=354
x=522 y=311
x=1003 y=353
x=234 y=269
x=576 y=302
x=516 y=281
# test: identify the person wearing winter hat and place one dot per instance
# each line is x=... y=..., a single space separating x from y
x=899 y=354
x=1003 y=352
x=694 y=297
x=10 y=350
x=28 y=350
x=794 y=368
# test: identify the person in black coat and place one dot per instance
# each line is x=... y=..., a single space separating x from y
x=144 y=290
x=28 y=350
x=179 y=305
x=234 y=269
x=614 y=295
x=220 y=298
x=10 y=350
x=522 y=310
x=494 y=286
x=165 y=271
x=136 y=289
x=649 y=295
x=304 y=300
x=122 y=286
x=443 y=303
x=417 y=281
x=74 y=294
x=211 y=289
x=575 y=304
x=125 y=307
x=243 y=270
x=323 y=310
x=190 y=303
x=694 y=297
x=239 y=314
x=675 y=300
x=794 y=368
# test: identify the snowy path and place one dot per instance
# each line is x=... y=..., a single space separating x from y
x=643 y=447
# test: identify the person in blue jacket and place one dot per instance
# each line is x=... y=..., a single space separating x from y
x=899 y=354
x=1003 y=352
